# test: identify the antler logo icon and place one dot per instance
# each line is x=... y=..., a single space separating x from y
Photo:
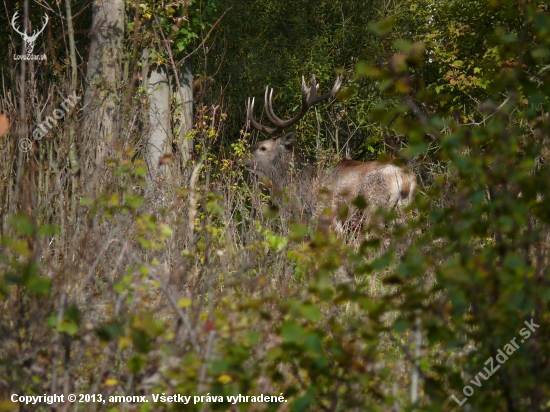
x=28 y=39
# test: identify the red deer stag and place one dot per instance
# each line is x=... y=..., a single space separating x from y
x=277 y=159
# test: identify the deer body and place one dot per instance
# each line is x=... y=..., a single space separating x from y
x=277 y=159
x=381 y=185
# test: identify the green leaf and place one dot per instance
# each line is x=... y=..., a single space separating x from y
x=48 y=230
x=292 y=332
x=86 y=201
x=68 y=327
x=140 y=171
x=383 y=26
x=298 y=231
x=303 y=403
x=23 y=224
x=347 y=93
x=270 y=212
x=109 y=331
x=310 y=312
x=314 y=344
x=38 y=285
x=401 y=325
x=133 y=201
x=403 y=45
x=141 y=340
x=360 y=203
x=135 y=363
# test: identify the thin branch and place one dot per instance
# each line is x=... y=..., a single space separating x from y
x=206 y=38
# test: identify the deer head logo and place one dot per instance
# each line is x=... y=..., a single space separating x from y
x=28 y=39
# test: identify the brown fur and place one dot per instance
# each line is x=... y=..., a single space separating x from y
x=381 y=185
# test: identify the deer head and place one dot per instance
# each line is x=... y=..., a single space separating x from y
x=28 y=39
x=271 y=158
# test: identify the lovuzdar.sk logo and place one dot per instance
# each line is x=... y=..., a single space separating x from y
x=29 y=39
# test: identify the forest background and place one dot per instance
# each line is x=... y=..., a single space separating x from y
x=138 y=257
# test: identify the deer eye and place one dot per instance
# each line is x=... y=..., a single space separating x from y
x=263 y=148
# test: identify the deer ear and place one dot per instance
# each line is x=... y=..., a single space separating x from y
x=287 y=139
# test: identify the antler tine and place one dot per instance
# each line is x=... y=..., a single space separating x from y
x=269 y=108
x=249 y=106
x=313 y=89
x=337 y=85
x=305 y=89
x=251 y=122
x=280 y=123
x=314 y=99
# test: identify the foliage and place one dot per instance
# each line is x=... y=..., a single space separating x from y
x=197 y=286
x=183 y=23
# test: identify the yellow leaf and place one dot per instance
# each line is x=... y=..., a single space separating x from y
x=165 y=230
x=124 y=342
x=224 y=379
x=6 y=405
x=184 y=302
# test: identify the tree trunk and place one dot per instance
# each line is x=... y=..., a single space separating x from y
x=103 y=74
x=186 y=94
x=159 y=138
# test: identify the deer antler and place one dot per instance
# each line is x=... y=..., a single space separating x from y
x=309 y=98
x=250 y=119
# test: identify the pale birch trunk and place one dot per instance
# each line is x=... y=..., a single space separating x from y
x=187 y=108
x=159 y=136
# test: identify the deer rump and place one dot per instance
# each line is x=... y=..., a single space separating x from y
x=381 y=185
